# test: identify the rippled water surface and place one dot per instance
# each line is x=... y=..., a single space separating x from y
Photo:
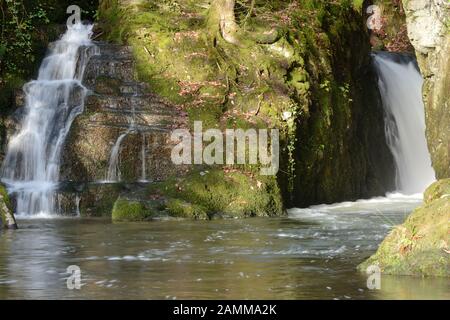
x=310 y=254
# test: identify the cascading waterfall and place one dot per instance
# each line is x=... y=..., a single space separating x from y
x=400 y=86
x=32 y=163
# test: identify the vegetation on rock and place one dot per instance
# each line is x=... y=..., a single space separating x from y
x=7 y=218
x=420 y=245
x=216 y=192
x=306 y=59
x=130 y=210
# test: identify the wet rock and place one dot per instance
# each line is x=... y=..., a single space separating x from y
x=119 y=105
x=420 y=245
x=428 y=23
x=7 y=218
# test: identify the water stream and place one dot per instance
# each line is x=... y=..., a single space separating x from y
x=32 y=163
x=400 y=85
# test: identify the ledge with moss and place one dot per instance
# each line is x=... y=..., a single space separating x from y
x=217 y=193
x=420 y=245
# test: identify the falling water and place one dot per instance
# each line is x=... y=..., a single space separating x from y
x=143 y=158
x=113 y=174
x=400 y=85
x=32 y=163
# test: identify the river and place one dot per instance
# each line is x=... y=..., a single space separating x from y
x=311 y=254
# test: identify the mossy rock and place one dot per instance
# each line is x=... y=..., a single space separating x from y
x=420 y=245
x=215 y=192
x=130 y=210
x=182 y=209
x=437 y=190
x=7 y=219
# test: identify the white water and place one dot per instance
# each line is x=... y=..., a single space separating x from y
x=113 y=174
x=400 y=85
x=143 y=158
x=32 y=163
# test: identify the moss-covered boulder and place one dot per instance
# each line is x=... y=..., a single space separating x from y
x=420 y=246
x=130 y=210
x=220 y=193
x=6 y=211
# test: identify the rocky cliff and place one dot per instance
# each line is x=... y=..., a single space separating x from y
x=310 y=61
x=428 y=24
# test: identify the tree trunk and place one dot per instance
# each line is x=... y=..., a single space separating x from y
x=222 y=17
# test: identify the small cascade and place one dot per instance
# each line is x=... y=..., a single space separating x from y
x=143 y=158
x=113 y=174
x=32 y=164
x=400 y=86
x=77 y=205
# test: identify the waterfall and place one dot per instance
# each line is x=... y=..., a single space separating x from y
x=113 y=174
x=143 y=156
x=32 y=163
x=400 y=86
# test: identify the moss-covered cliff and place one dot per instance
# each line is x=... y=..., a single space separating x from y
x=302 y=67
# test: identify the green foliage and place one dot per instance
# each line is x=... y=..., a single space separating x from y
x=17 y=27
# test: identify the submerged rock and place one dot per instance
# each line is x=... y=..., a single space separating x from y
x=420 y=245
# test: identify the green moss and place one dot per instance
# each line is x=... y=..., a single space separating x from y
x=418 y=246
x=437 y=190
x=203 y=194
x=182 y=209
x=129 y=210
x=5 y=196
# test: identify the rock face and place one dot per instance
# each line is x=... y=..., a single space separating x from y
x=420 y=245
x=7 y=219
x=342 y=152
x=119 y=106
x=429 y=31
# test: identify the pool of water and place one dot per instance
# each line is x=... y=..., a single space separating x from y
x=311 y=254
